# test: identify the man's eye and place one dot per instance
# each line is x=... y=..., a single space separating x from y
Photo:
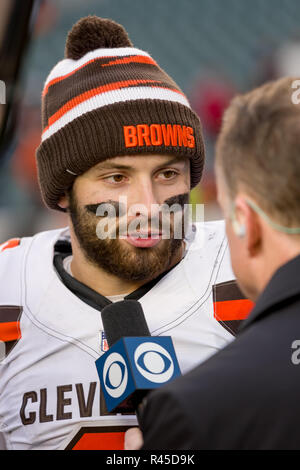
x=168 y=174
x=115 y=178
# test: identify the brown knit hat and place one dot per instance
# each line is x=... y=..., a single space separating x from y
x=108 y=99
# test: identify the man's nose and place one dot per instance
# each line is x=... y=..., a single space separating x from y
x=144 y=201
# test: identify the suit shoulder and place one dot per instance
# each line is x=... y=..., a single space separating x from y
x=164 y=432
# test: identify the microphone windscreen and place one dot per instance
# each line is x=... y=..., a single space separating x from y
x=122 y=319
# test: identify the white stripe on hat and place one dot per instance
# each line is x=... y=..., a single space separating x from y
x=66 y=66
x=115 y=96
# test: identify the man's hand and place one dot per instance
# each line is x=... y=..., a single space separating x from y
x=133 y=439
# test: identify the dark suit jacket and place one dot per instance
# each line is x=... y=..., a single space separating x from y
x=246 y=396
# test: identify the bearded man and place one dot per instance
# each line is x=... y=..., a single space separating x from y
x=120 y=151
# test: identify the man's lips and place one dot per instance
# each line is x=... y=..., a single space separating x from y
x=144 y=240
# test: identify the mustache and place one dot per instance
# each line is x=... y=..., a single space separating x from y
x=120 y=209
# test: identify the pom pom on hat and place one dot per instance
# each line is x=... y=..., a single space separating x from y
x=92 y=33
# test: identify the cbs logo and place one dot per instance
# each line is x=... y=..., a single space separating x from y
x=115 y=375
x=152 y=361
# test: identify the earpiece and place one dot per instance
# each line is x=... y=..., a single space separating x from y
x=239 y=229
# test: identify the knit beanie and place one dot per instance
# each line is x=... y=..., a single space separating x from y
x=109 y=99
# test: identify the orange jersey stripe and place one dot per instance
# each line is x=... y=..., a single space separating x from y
x=101 y=441
x=89 y=94
x=10 y=331
x=10 y=244
x=232 y=309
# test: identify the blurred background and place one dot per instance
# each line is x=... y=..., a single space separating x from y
x=213 y=49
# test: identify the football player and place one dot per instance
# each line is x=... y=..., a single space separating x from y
x=118 y=134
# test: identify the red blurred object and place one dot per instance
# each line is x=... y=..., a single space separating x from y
x=47 y=17
x=210 y=98
x=23 y=161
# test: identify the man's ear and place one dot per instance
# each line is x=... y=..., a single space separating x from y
x=63 y=202
x=248 y=225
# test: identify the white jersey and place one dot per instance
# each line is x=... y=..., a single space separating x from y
x=49 y=388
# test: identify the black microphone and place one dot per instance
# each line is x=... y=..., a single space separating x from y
x=123 y=319
x=136 y=362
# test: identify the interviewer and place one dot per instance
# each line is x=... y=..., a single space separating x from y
x=247 y=395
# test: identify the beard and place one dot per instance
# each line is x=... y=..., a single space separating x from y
x=116 y=256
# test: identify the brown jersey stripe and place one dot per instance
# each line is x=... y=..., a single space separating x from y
x=230 y=305
x=10 y=313
x=97 y=91
x=9 y=346
x=90 y=77
x=232 y=326
x=227 y=291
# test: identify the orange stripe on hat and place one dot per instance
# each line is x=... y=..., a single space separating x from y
x=139 y=59
x=126 y=60
x=94 y=92
x=232 y=309
x=62 y=77
x=10 y=331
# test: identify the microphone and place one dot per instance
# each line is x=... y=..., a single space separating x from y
x=124 y=318
x=136 y=362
